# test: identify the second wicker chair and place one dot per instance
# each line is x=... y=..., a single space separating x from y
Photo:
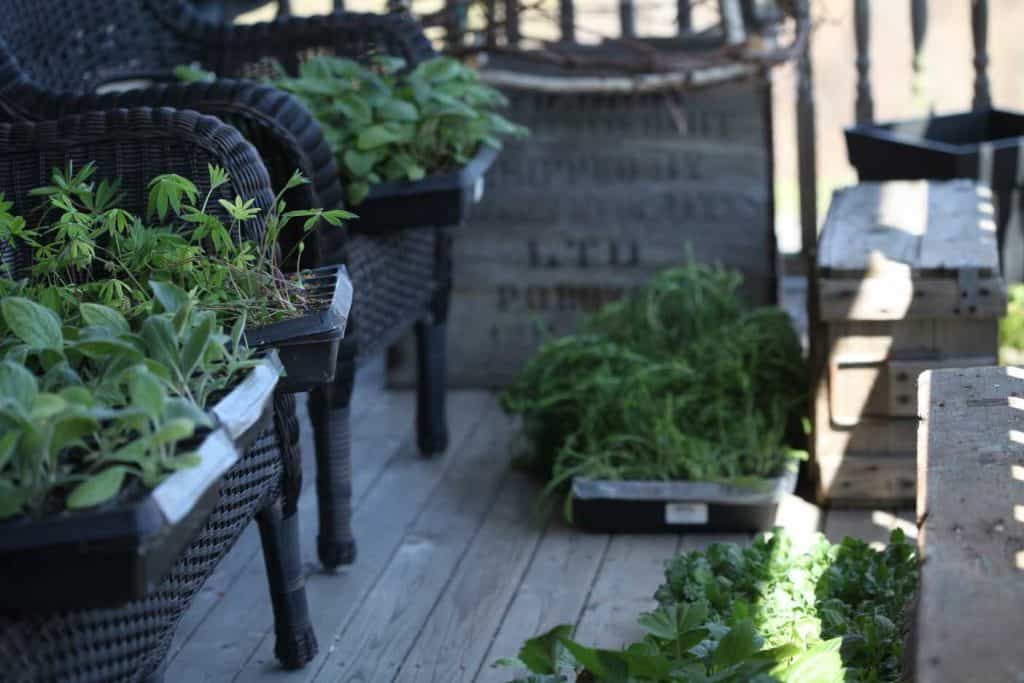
x=56 y=54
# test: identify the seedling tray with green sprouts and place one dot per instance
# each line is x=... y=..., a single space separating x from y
x=122 y=549
x=675 y=408
x=308 y=344
x=438 y=201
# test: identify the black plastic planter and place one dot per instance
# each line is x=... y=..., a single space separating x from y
x=437 y=201
x=983 y=145
x=308 y=345
x=121 y=551
x=648 y=506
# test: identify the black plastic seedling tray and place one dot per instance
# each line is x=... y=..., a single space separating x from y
x=121 y=551
x=437 y=201
x=650 y=506
x=308 y=344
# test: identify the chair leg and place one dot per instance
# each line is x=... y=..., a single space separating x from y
x=157 y=676
x=432 y=356
x=431 y=385
x=295 y=642
x=329 y=414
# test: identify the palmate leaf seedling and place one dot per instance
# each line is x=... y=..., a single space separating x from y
x=87 y=408
x=386 y=122
x=764 y=614
x=224 y=258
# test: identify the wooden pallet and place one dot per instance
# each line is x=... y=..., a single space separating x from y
x=907 y=281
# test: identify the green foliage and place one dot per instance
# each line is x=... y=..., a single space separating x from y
x=85 y=409
x=1011 y=327
x=679 y=380
x=385 y=122
x=846 y=590
x=760 y=614
x=680 y=644
x=86 y=249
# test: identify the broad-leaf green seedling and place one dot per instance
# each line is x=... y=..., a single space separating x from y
x=87 y=409
x=386 y=122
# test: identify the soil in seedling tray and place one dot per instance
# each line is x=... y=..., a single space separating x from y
x=308 y=344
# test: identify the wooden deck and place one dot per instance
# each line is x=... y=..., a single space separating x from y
x=455 y=566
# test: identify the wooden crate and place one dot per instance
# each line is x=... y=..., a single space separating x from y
x=608 y=189
x=970 y=511
x=908 y=281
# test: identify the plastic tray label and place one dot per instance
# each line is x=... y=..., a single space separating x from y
x=686 y=513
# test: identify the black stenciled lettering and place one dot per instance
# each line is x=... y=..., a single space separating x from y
x=507 y=296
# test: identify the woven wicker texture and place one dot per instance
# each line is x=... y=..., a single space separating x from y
x=393 y=280
x=128 y=643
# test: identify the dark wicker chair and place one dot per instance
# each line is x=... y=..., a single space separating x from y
x=55 y=54
x=130 y=642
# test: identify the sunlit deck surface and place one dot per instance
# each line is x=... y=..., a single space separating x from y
x=456 y=567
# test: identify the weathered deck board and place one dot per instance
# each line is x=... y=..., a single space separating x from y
x=455 y=638
x=375 y=641
x=455 y=570
x=372 y=401
x=380 y=522
x=545 y=598
x=633 y=568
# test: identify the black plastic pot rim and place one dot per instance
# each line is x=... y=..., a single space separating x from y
x=881 y=130
x=462 y=177
x=332 y=318
x=243 y=411
x=767 y=491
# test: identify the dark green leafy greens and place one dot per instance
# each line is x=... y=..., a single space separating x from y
x=678 y=380
x=385 y=122
x=1011 y=327
x=760 y=614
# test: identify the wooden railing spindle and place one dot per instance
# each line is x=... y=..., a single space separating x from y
x=806 y=143
x=919 y=32
x=732 y=22
x=627 y=18
x=567 y=20
x=684 y=17
x=455 y=26
x=862 y=26
x=979 y=27
x=512 y=22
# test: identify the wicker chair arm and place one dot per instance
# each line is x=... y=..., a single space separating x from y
x=133 y=145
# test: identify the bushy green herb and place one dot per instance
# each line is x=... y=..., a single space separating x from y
x=760 y=614
x=679 y=380
x=85 y=409
x=86 y=248
x=1011 y=327
x=385 y=122
x=846 y=590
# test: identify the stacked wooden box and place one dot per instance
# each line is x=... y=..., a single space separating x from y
x=908 y=280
